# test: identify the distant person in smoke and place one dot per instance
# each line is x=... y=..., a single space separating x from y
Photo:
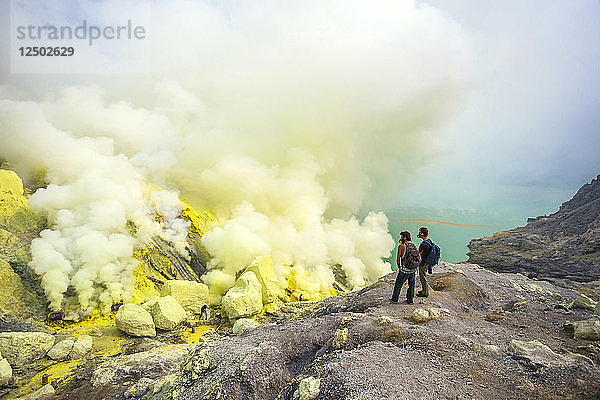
x=408 y=260
x=424 y=249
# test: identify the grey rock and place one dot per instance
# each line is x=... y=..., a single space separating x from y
x=150 y=364
x=489 y=350
x=81 y=347
x=61 y=350
x=535 y=352
x=588 y=329
x=242 y=325
x=20 y=348
x=583 y=302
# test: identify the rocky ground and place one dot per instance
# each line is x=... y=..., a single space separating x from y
x=480 y=335
x=563 y=247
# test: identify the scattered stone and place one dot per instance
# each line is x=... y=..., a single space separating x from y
x=384 y=320
x=61 y=350
x=134 y=320
x=271 y=286
x=340 y=337
x=588 y=329
x=245 y=298
x=5 y=372
x=535 y=352
x=427 y=314
x=520 y=305
x=494 y=316
x=420 y=315
x=20 y=348
x=167 y=313
x=308 y=389
x=568 y=326
x=242 y=325
x=81 y=347
x=486 y=349
x=189 y=294
x=462 y=340
x=583 y=302
x=44 y=392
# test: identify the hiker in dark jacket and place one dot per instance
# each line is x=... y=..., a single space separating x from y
x=407 y=265
x=424 y=249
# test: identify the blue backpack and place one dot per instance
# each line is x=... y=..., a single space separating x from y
x=434 y=255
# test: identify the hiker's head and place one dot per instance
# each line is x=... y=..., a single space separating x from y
x=423 y=232
x=405 y=236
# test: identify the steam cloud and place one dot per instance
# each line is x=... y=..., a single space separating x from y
x=283 y=119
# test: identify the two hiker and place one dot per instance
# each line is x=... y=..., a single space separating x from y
x=409 y=259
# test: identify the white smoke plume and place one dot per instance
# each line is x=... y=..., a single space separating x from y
x=284 y=119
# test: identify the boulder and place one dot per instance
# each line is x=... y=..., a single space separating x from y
x=308 y=389
x=61 y=350
x=245 y=298
x=588 y=329
x=270 y=285
x=20 y=348
x=535 y=352
x=5 y=372
x=583 y=302
x=134 y=320
x=167 y=313
x=597 y=309
x=189 y=294
x=81 y=347
x=242 y=325
x=45 y=392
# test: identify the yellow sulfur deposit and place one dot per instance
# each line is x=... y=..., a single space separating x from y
x=302 y=285
x=271 y=286
x=193 y=335
x=15 y=213
x=201 y=222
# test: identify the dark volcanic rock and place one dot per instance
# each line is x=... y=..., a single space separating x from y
x=361 y=346
x=564 y=246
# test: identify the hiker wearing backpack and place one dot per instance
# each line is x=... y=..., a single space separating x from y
x=430 y=255
x=408 y=260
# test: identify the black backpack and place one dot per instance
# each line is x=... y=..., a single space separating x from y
x=411 y=258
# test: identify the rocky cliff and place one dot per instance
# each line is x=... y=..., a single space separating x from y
x=562 y=247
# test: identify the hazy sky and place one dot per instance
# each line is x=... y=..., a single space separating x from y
x=530 y=129
x=526 y=135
